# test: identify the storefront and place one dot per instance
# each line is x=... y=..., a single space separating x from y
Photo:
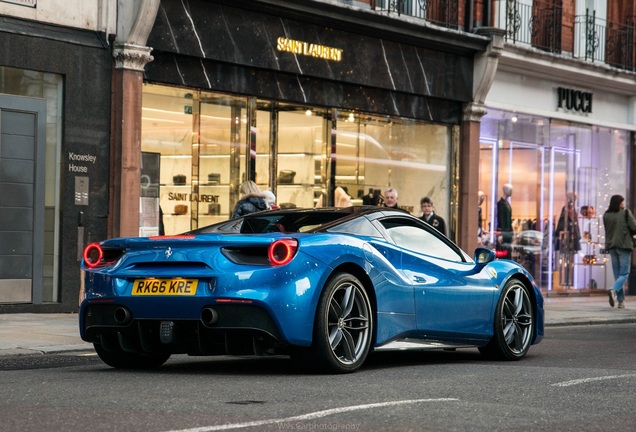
x=300 y=104
x=563 y=154
x=54 y=158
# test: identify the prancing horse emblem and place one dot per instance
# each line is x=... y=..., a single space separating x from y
x=168 y=252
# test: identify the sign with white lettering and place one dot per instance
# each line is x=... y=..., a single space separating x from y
x=29 y=3
x=77 y=159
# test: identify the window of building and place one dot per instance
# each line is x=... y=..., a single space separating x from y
x=562 y=176
x=207 y=144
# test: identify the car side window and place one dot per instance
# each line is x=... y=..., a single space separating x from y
x=410 y=235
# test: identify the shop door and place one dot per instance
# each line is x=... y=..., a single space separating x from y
x=517 y=169
x=543 y=185
x=521 y=166
x=22 y=144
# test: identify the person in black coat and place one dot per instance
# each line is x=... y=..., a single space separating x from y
x=429 y=216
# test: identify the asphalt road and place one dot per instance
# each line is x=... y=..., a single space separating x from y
x=580 y=378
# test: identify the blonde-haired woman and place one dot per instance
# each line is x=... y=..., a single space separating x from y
x=252 y=200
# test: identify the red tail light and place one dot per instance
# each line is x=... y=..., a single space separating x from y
x=97 y=256
x=501 y=253
x=282 y=251
x=93 y=255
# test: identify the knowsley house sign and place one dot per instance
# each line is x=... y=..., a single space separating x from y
x=308 y=49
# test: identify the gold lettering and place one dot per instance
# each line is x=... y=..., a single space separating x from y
x=308 y=49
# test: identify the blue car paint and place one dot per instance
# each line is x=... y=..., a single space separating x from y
x=290 y=293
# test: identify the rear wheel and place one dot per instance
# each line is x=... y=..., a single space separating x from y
x=514 y=323
x=123 y=360
x=343 y=327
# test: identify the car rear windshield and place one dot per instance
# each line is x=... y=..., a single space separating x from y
x=276 y=222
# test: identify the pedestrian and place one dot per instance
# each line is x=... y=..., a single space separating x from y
x=619 y=242
x=391 y=198
x=252 y=200
x=429 y=216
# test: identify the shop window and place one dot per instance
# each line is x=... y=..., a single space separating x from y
x=209 y=143
x=375 y=153
x=199 y=138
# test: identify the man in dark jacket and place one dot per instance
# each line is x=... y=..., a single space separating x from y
x=429 y=216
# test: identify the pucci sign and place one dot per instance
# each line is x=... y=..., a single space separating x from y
x=574 y=100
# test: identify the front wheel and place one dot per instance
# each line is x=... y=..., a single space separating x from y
x=343 y=327
x=514 y=323
x=124 y=360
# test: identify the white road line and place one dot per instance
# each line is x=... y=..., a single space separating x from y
x=311 y=416
x=586 y=380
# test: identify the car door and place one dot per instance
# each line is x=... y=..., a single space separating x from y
x=452 y=299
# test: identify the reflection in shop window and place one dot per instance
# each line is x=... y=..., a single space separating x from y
x=375 y=153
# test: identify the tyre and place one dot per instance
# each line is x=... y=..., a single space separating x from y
x=514 y=324
x=123 y=360
x=343 y=327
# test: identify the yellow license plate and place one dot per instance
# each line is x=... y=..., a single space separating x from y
x=165 y=287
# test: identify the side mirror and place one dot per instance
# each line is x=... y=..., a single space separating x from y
x=483 y=256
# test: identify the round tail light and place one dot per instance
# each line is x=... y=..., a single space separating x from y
x=282 y=251
x=93 y=255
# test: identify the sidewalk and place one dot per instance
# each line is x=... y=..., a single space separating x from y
x=27 y=333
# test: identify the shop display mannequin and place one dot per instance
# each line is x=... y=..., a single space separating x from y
x=504 y=222
x=480 y=229
x=568 y=239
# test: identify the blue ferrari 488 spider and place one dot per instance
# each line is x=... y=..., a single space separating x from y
x=325 y=286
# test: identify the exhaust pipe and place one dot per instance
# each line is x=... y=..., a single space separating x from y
x=122 y=315
x=209 y=317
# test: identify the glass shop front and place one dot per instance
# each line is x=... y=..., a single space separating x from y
x=198 y=147
x=557 y=178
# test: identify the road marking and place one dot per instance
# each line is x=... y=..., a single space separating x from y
x=586 y=380
x=311 y=416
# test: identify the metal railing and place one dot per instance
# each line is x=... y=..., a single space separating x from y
x=533 y=23
x=444 y=13
x=606 y=41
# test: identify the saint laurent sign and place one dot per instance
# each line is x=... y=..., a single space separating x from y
x=574 y=100
x=308 y=49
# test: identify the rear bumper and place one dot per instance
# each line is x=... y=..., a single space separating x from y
x=235 y=330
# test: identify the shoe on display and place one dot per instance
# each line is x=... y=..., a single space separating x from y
x=621 y=305
x=611 y=294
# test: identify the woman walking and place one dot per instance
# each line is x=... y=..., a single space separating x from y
x=619 y=224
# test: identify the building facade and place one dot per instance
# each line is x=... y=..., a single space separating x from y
x=55 y=88
x=560 y=129
x=148 y=113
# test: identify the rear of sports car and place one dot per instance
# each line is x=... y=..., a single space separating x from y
x=147 y=298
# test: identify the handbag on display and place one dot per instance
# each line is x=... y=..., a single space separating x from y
x=180 y=209
x=214 y=178
x=214 y=209
x=179 y=179
x=286 y=176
